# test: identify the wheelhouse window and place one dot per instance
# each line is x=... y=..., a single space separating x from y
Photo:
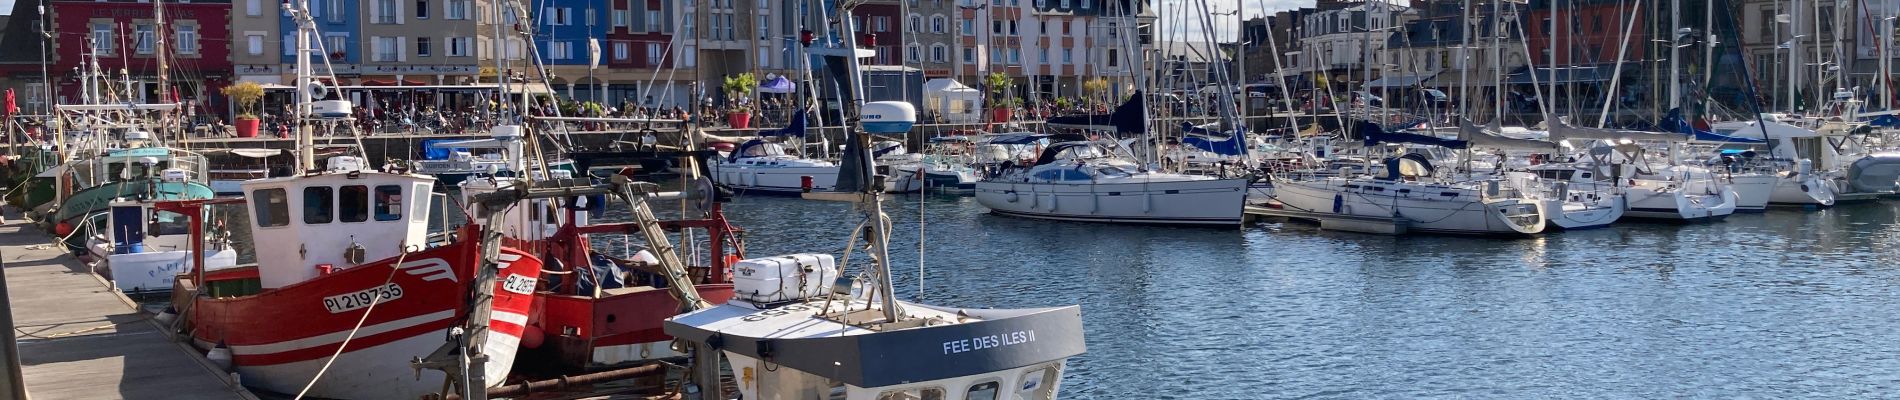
x=169 y=223
x=353 y=201
x=985 y=390
x=933 y=393
x=270 y=207
x=319 y=204
x=388 y=203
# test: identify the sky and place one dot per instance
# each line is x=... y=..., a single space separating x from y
x=1226 y=25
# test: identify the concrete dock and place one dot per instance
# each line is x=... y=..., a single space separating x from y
x=80 y=340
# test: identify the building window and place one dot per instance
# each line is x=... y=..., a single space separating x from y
x=653 y=21
x=559 y=16
x=559 y=50
x=1015 y=56
x=458 y=46
x=1068 y=56
x=996 y=27
x=1065 y=3
x=422 y=9
x=457 y=9
x=914 y=52
x=621 y=18
x=764 y=28
x=689 y=56
x=1012 y=28
x=656 y=53
x=383 y=48
x=687 y=25
x=253 y=7
x=1113 y=58
x=883 y=23
x=620 y=51
x=1042 y=55
x=254 y=43
x=969 y=55
x=765 y=57
x=336 y=11
x=938 y=24
x=969 y=27
x=424 y=47
x=187 y=37
x=1085 y=4
x=914 y=24
x=142 y=39
x=939 y=53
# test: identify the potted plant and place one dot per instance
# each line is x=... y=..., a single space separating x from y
x=739 y=114
x=246 y=95
x=1000 y=102
x=1096 y=89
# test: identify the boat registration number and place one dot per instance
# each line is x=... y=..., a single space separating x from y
x=361 y=298
x=519 y=284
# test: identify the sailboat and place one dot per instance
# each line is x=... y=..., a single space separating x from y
x=797 y=327
x=348 y=298
x=1075 y=178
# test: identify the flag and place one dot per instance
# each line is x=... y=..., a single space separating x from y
x=12 y=106
x=593 y=53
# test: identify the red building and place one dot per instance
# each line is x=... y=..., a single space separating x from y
x=1588 y=32
x=196 y=40
x=885 y=19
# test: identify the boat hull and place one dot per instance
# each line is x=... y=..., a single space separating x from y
x=1804 y=190
x=279 y=338
x=1423 y=208
x=1580 y=215
x=1752 y=192
x=1680 y=205
x=1196 y=202
x=771 y=180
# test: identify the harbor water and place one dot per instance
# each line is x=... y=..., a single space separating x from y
x=1787 y=304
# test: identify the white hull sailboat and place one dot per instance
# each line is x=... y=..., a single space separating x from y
x=1082 y=181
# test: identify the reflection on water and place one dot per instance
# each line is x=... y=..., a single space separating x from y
x=1783 y=304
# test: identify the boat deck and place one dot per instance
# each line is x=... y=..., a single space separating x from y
x=80 y=340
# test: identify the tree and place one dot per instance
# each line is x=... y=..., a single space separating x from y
x=738 y=86
x=246 y=95
x=998 y=85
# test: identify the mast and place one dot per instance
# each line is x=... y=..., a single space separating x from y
x=1708 y=55
x=1279 y=77
x=306 y=155
x=870 y=196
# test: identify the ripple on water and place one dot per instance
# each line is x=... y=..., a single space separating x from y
x=1775 y=305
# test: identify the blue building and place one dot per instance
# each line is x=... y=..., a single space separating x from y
x=337 y=20
x=563 y=30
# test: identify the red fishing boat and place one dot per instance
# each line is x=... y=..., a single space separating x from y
x=346 y=296
x=596 y=310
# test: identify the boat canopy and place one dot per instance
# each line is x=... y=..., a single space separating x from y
x=1028 y=138
x=1374 y=135
x=1674 y=122
x=1561 y=129
x=1478 y=136
x=1201 y=138
x=795 y=128
x=1127 y=118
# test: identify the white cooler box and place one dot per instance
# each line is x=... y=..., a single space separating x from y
x=783 y=278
